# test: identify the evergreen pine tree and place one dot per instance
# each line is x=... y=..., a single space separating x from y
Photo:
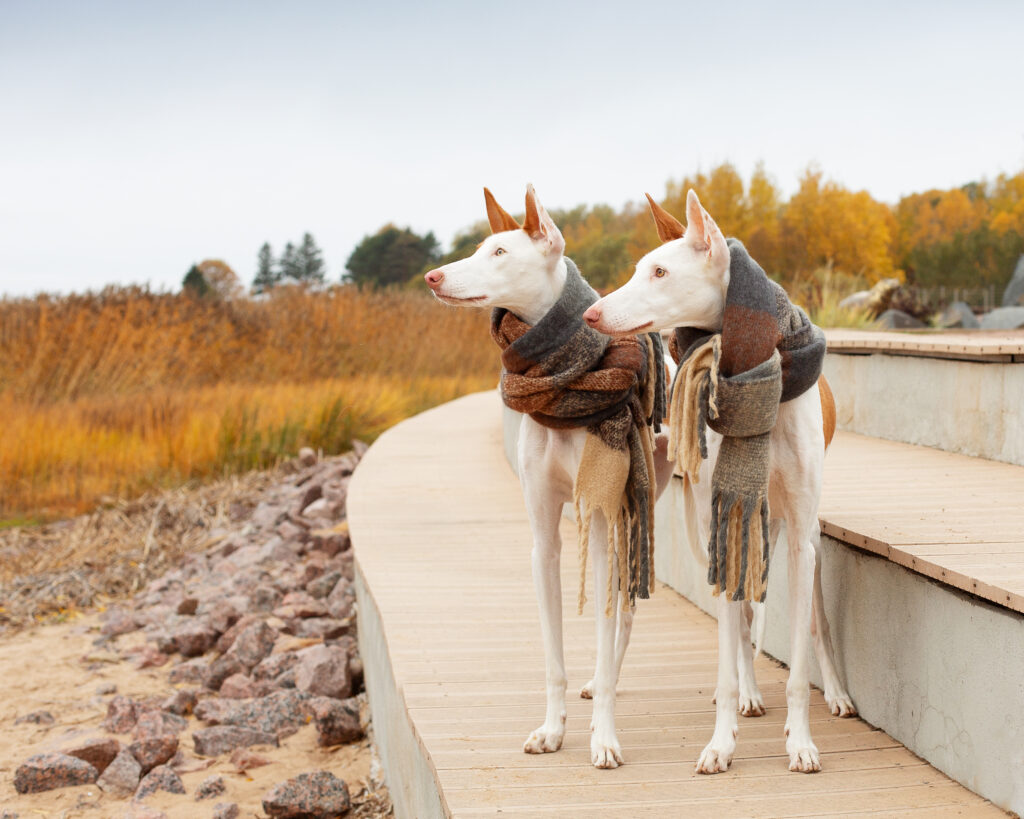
x=266 y=274
x=309 y=261
x=289 y=265
x=195 y=283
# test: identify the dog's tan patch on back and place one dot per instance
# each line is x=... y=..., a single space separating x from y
x=828 y=410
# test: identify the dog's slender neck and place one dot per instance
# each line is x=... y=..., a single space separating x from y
x=542 y=295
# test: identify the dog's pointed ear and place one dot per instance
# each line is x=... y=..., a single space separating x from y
x=669 y=227
x=540 y=227
x=498 y=218
x=701 y=231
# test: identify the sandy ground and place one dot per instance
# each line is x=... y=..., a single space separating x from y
x=56 y=668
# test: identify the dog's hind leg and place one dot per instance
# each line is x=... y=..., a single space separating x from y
x=803 y=754
x=751 y=703
x=717 y=756
x=838 y=700
x=623 y=630
x=605 y=751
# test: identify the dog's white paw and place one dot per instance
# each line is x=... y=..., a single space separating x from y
x=751 y=704
x=545 y=740
x=804 y=759
x=840 y=704
x=587 y=691
x=605 y=753
x=716 y=757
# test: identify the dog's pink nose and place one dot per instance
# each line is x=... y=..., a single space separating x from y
x=434 y=279
x=593 y=315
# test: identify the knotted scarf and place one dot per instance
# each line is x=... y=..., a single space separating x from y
x=733 y=381
x=566 y=375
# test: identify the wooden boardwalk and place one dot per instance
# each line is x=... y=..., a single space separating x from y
x=443 y=545
x=1005 y=346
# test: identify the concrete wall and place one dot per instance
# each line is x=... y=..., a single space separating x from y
x=410 y=773
x=939 y=670
x=973 y=408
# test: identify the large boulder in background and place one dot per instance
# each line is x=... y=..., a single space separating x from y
x=1013 y=295
x=897 y=320
x=1003 y=318
x=958 y=314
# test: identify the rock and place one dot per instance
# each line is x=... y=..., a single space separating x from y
x=290 y=531
x=225 y=810
x=897 y=320
x=155 y=723
x=322 y=586
x=856 y=301
x=181 y=702
x=188 y=606
x=44 y=772
x=99 y=752
x=326 y=628
x=240 y=687
x=359 y=448
x=341 y=599
x=337 y=721
x=330 y=542
x=281 y=713
x=244 y=759
x=151 y=657
x=210 y=787
x=161 y=778
x=106 y=689
x=958 y=314
x=307 y=457
x=275 y=665
x=121 y=778
x=190 y=671
x=122 y=713
x=118 y=621
x=254 y=643
x=193 y=639
x=221 y=669
x=323 y=671
x=1013 y=295
x=223 y=738
x=154 y=751
x=313 y=493
x=300 y=604
x=317 y=795
x=1003 y=318
x=228 y=638
x=36 y=718
x=222 y=616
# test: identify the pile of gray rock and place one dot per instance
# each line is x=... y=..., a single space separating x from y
x=258 y=636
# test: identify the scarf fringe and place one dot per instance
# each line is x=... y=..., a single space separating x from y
x=734 y=568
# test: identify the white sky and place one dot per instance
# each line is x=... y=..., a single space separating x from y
x=138 y=138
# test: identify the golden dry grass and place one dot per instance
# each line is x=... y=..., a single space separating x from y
x=112 y=394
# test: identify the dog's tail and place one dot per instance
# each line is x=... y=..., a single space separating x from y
x=692 y=529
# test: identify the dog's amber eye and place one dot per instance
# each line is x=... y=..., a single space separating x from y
x=499 y=252
x=659 y=272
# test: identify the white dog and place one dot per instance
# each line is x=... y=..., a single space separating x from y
x=683 y=283
x=524 y=271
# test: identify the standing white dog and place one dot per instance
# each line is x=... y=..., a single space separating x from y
x=522 y=269
x=683 y=283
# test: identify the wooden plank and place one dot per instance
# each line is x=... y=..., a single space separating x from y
x=449 y=569
x=1002 y=346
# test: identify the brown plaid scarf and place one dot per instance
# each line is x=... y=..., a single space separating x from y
x=565 y=375
x=767 y=352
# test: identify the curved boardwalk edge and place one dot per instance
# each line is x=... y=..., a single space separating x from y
x=454 y=665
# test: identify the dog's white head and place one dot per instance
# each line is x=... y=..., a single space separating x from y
x=682 y=283
x=518 y=267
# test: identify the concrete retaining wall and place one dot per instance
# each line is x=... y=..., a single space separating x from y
x=969 y=407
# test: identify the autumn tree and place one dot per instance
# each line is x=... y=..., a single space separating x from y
x=267 y=273
x=222 y=280
x=390 y=256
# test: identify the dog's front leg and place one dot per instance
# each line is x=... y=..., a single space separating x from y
x=717 y=756
x=803 y=755
x=544 y=508
x=605 y=751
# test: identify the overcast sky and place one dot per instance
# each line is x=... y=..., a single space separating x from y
x=139 y=137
